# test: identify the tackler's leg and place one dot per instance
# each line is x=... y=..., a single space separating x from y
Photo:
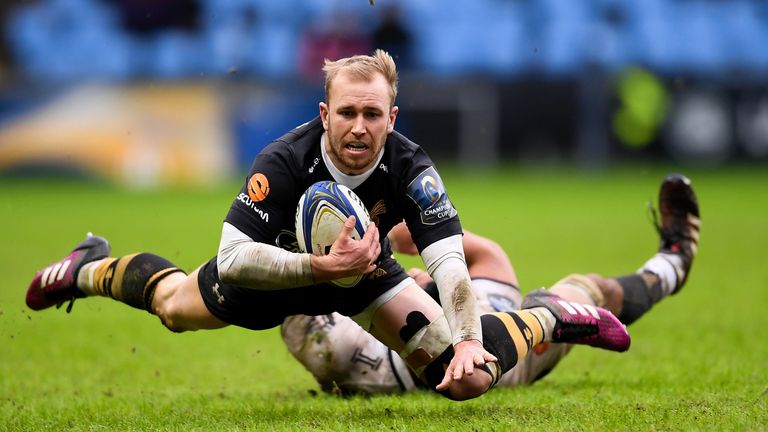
x=665 y=273
x=545 y=356
x=343 y=358
x=413 y=324
x=631 y=297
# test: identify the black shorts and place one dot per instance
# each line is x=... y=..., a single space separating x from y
x=262 y=309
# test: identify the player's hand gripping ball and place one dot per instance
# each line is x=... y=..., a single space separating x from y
x=320 y=215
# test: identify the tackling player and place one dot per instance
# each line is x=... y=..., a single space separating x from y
x=259 y=278
x=344 y=358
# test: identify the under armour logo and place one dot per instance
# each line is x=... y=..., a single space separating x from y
x=219 y=297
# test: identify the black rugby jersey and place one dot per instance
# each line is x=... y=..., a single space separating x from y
x=405 y=186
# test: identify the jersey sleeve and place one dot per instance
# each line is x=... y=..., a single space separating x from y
x=429 y=212
x=266 y=199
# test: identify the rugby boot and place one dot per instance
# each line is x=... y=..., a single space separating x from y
x=56 y=283
x=680 y=223
x=580 y=323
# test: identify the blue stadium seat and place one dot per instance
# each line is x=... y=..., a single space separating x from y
x=75 y=45
x=702 y=38
x=745 y=36
x=653 y=34
x=499 y=37
x=566 y=26
x=179 y=54
x=275 y=57
x=508 y=45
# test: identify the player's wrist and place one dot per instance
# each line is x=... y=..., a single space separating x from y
x=467 y=343
x=325 y=268
x=318 y=265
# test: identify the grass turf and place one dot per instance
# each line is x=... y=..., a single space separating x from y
x=698 y=360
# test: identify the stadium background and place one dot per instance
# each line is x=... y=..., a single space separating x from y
x=553 y=122
x=190 y=90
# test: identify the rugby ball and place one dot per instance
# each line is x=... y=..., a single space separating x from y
x=320 y=215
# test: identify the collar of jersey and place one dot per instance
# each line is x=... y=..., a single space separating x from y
x=350 y=181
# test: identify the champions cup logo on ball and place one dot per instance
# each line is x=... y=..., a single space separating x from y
x=258 y=187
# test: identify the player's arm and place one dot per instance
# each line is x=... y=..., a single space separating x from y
x=444 y=260
x=245 y=262
x=445 y=263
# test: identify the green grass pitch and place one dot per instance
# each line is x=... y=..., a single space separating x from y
x=698 y=361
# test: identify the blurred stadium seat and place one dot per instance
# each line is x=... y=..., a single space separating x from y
x=260 y=37
x=563 y=56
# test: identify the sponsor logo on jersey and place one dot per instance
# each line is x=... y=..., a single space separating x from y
x=428 y=192
x=245 y=199
x=258 y=187
x=377 y=210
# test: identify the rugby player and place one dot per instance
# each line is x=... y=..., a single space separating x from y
x=258 y=277
x=344 y=359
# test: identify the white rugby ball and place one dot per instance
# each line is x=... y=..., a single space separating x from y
x=320 y=215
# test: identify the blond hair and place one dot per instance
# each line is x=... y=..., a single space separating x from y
x=363 y=67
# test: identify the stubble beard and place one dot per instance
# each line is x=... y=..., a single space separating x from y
x=349 y=165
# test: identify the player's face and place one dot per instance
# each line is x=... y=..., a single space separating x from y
x=357 y=119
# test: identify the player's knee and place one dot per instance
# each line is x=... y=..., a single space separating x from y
x=170 y=314
x=581 y=288
x=425 y=341
x=611 y=291
x=496 y=249
x=493 y=252
x=597 y=279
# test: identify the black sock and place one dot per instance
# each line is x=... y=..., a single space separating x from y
x=132 y=279
x=638 y=297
